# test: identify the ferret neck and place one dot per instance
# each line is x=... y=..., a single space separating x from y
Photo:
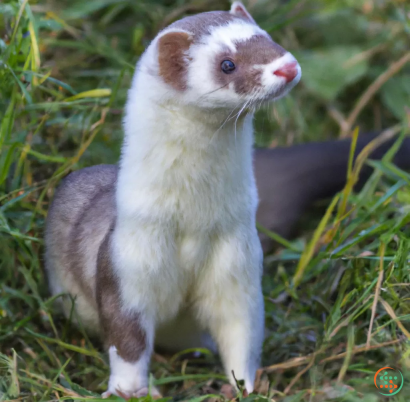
x=169 y=120
x=170 y=147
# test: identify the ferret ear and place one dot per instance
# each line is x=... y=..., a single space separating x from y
x=239 y=10
x=172 y=58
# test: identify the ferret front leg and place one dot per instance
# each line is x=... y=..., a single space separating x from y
x=238 y=333
x=128 y=334
x=231 y=306
x=129 y=373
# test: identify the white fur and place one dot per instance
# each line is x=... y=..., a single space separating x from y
x=238 y=9
x=234 y=32
x=202 y=89
x=130 y=379
x=185 y=233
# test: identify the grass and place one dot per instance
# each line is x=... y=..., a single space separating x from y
x=337 y=299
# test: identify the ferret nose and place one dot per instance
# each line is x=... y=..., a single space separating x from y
x=288 y=71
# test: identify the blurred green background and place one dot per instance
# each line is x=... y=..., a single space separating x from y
x=65 y=67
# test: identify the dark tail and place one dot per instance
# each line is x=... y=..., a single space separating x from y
x=290 y=179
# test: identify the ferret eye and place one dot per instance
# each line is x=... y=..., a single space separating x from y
x=228 y=66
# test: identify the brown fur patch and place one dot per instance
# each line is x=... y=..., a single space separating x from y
x=79 y=217
x=200 y=25
x=257 y=50
x=172 y=49
x=122 y=330
x=83 y=232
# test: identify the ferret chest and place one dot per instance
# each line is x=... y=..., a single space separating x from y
x=196 y=186
x=192 y=251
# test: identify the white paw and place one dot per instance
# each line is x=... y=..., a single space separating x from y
x=127 y=379
x=128 y=393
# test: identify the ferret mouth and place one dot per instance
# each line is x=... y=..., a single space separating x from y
x=277 y=92
x=262 y=98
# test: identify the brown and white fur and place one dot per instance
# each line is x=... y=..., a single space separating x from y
x=167 y=248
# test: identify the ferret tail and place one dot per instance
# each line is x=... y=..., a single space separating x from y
x=290 y=179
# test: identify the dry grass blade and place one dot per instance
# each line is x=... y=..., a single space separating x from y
x=16 y=24
x=347 y=190
x=386 y=135
x=393 y=315
x=376 y=293
x=296 y=362
x=367 y=54
x=344 y=323
x=49 y=383
x=299 y=361
x=349 y=350
x=353 y=173
x=308 y=253
x=371 y=90
x=361 y=349
x=299 y=374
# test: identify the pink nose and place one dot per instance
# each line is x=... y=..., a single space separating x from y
x=288 y=71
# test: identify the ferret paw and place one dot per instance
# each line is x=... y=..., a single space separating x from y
x=144 y=392
x=132 y=394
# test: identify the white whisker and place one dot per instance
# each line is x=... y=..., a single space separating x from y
x=223 y=123
x=239 y=113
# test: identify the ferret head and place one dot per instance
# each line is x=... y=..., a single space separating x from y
x=221 y=59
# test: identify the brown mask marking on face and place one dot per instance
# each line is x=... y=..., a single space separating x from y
x=198 y=26
x=257 y=50
x=122 y=330
x=172 y=58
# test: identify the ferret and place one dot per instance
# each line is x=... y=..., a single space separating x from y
x=166 y=248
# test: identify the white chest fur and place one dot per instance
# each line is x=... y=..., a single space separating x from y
x=185 y=183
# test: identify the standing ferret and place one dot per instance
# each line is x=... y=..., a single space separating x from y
x=166 y=247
